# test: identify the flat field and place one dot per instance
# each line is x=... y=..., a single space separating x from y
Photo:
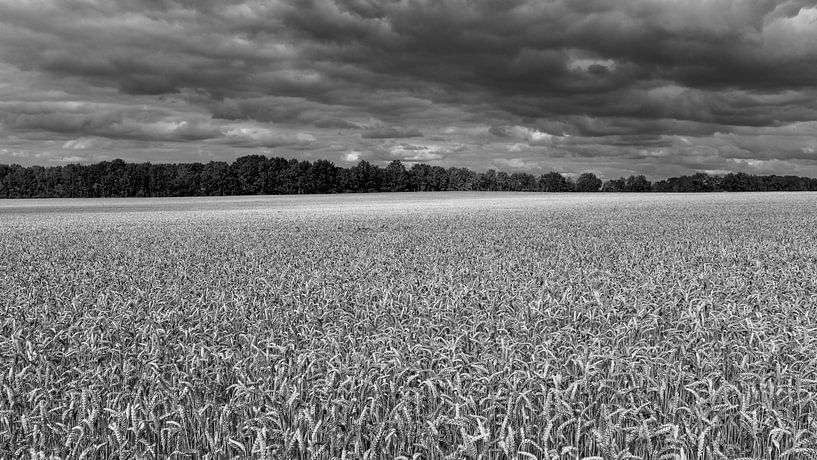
x=452 y=325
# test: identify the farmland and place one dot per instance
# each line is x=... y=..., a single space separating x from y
x=452 y=325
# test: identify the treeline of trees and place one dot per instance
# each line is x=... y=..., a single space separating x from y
x=257 y=174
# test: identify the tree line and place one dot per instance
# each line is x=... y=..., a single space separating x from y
x=258 y=174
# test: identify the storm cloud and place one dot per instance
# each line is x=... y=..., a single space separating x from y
x=390 y=132
x=656 y=87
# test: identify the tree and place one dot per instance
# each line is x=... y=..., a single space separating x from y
x=503 y=181
x=420 y=177
x=698 y=182
x=488 y=180
x=740 y=182
x=275 y=174
x=216 y=179
x=523 y=182
x=553 y=182
x=248 y=171
x=395 y=177
x=161 y=179
x=259 y=174
x=438 y=178
x=614 y=185
x=188 y=180
x=364 y=177
x=324 y=177
x=637 y=184
x=300 y=176
x=290 y=180
x=461 y=179
x=137 y=179
x=19 y=182
x=588 y=182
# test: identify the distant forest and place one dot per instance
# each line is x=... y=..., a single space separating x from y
x=258 y=174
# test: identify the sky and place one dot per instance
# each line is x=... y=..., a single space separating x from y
x=654 y=87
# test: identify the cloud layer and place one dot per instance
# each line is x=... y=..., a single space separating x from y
x=659 y=87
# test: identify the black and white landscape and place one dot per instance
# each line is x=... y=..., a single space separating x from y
x=189 y=267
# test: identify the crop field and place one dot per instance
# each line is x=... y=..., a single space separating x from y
x=411 y=326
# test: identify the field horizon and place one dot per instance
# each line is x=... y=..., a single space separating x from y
x=377 y=200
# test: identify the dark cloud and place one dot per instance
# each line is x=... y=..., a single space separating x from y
x=335 y=123
x=615 y=86
x=390 y=132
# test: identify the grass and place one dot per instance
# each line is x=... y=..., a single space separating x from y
x=410 y=326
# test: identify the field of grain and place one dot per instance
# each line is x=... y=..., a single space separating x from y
x=419 y=326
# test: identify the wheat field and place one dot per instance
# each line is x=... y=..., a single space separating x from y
x=410 y=326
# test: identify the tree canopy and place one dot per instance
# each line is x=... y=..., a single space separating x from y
x=258 y=174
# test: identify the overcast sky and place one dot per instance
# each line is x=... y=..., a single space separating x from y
x=653 y=87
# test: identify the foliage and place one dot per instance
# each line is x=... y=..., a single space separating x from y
x=554 y=182
x=588 y=182
x=257 y=174
x=502 y=327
